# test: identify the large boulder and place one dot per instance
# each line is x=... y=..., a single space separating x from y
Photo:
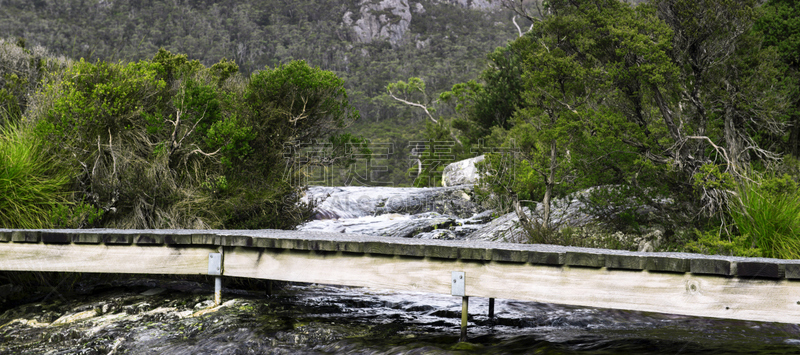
x=380 y=20
x=462 y=172
x=334 y=202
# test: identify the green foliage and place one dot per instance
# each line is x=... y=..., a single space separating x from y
x=174 y=66
x=778 y=24
x=779 y=21
x=712 y=243
x=767 y=216
x=481 y=106
x=169 y=143
x=32 y=183
x=102 y=99
x=406 y=90
x=298 y=102
x=223 y=70
x=710 y=177
x=231 y=138
x=80 y=215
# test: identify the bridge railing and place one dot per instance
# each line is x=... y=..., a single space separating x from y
x=679 y=283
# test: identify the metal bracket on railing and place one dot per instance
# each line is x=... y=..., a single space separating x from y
x=459 y=287
x=215 y=264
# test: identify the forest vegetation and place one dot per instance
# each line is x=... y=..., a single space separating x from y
x=670 y=113
x=681 y=114
x=443 y=42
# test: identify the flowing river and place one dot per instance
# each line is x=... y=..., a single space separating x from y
x=157 y=316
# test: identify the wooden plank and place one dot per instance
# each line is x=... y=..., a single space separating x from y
x=25 y=236
x=87 y=238
x=148 y=239
x=759 y=269
x=667 y=264
x=588 y=259
x=441 y=251
x=546 y=258
x=709 y=266
x=237 y=241
x=792 y=271
x=622 y=261
x=695 y=295
x=56 y=238
x=206 y=239
x=115 y=238
x=128 y=259
x=475 y=253
x=178 y=239
x=511 y=256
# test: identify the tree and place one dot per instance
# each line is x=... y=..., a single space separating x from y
x=656 y=94
x=779 y=24
x=412 y=93
x=725 y=95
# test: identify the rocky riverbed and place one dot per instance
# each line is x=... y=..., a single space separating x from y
x=122 y=314
x=162 y=316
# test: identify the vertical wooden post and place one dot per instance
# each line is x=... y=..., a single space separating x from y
x=491 y=308
x=464 y=314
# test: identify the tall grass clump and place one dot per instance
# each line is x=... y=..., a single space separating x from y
x=31 y=183
x=767 y=215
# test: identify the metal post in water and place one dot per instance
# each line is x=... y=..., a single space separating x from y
x=464 y=314
x=215 y=269
x=491 y=308
x=218 y=290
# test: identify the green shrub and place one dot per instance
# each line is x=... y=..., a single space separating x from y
x=712 y=243
x=168 y=143
x=31 y=182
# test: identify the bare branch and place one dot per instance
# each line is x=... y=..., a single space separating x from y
x=423 y=107
x=301 y=115
x=514 y=20
x=198 y=150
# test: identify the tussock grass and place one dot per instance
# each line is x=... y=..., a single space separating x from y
x=31 y=183
x=770 y=220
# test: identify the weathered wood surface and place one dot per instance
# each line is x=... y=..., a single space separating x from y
x=692 y=284
x=104 y=258
x=535 y=254
x=640 y=290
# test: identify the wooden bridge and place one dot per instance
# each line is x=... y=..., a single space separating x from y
x=690 y=284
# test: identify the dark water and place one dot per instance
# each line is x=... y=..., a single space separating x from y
x=409 y=323
x=320 y=319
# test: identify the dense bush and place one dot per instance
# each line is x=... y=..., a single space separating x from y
x=167 y=143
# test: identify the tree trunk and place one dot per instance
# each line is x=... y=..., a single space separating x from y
x=732 y=141
x=525 y=222
x=548 y=186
